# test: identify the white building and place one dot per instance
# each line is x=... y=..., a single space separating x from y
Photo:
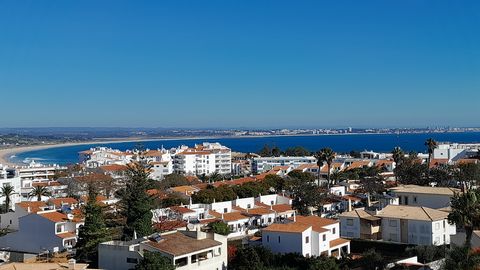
x=309 y=236
x=263 y=164
x=455 y=151
x=205 y=158
x=243 y=216
x=43 y=231
x=38 y=172
x=99 y=156
x=401 y=224
x=10 y=177
x=432 y=197
x=186 y=250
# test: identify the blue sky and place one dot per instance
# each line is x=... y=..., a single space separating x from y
x=239 y=63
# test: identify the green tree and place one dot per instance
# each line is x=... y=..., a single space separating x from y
x=373 y=260
x=297 y=151
x=135 y=203
x=7 y=192
x=39 y=191
x=466 y=212
x=173 y=180
x=154 y=261
x=93 y=232
x=468 y=174
x=247 y=258
x=276 y=152
x=461 y=257
x=219 y=227
x=306 y=195
x=265 y=151
x=322 y=263
x=325 y=155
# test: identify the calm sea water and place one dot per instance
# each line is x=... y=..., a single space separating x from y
x=339 y=143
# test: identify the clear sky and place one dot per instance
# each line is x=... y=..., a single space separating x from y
x=239 y=63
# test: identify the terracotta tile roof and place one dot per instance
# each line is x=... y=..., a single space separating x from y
x=181 y=210
x=114 y=168
x=281 y=208
x=258 y=211
x=54 y=216
x=153 y=153
x=359 y=164
x=338 y=242
x=66 y=235
x=58 y=202
x=232 y=216
x=170 y=225
x=316 y=222
x=293 y=227
x=178 y=244
x=34 y=206
x=186 y=190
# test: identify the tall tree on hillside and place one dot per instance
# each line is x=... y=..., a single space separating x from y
x=265 y=151
x=431 y=144
x=466 y=212
x=7 y=192
x=398 y=155
x=93 y=232
x=39 y=191
x=326 y=155
x=135 y=203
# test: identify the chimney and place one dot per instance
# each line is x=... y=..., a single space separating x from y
x=71 y=264
x=28 y=209
x=349 y=205
x=369 y=203
x=294 y=217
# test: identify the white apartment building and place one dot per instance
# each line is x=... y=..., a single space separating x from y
x=454 y=151
x=399 y=223
x=100 y=156
x=432 y=197
x=10 y=177
x=205 y=158
x=38 y=172
x=187 y=250
x=263 y=164
x=306 y=235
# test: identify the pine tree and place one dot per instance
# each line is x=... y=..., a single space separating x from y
x=135 y=203
x=93 y=232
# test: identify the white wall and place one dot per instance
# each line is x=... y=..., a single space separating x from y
x=289 y=242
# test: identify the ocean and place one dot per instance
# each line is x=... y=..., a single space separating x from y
x=339 y=143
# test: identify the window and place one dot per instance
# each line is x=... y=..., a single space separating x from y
x=181 y=262
x=225 y=210
x=307 y=240
x=415 y=199
x=132 y=260
x=279 y=239
x=194 y=258
x=333 y=230
x=393 y=237
x=324 y=237
x=406 y=200
x=249 y=206
x=271 y=202
x=349 y=221
x=269 y=220
x=268 y=238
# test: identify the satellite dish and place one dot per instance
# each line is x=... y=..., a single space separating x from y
x=70 y=216
x=190 y=227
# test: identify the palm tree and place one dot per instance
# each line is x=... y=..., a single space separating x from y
x=325 y=155
x=7 y=192
x=398 y=157
x=466 y=212
x=39 y=191
x=431 y=144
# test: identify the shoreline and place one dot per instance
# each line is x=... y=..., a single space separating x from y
x=7 y=153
